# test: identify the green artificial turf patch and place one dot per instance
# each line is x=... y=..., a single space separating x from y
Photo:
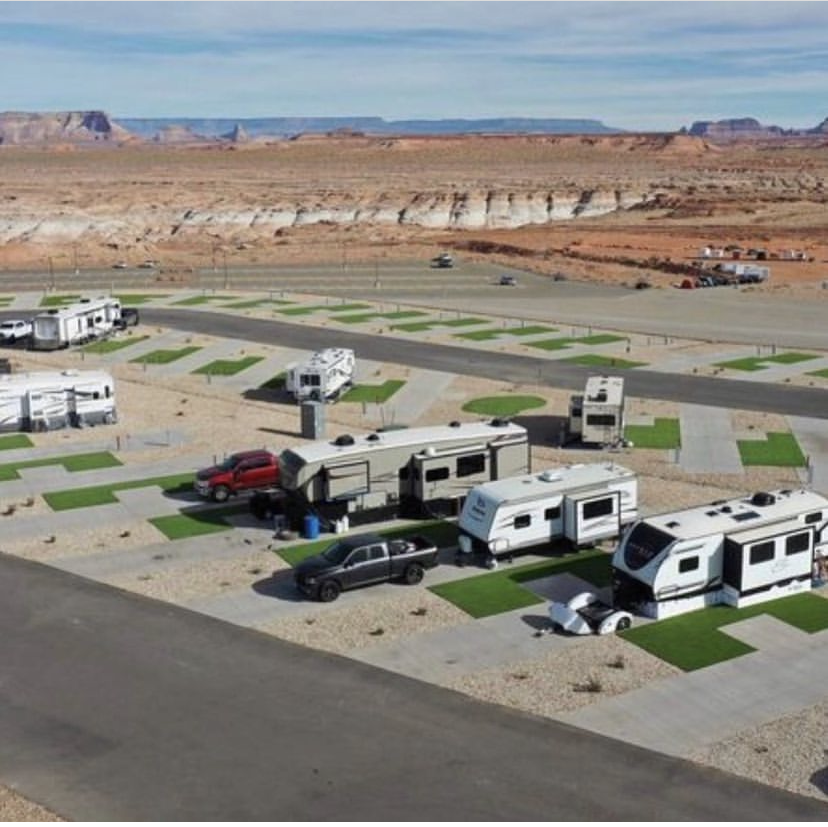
x=501 y=591
x=194 y=300
x=699 y=639
x=228 y=367
x=594 y=360
x=249 y=303
x=359 y=318
x=164 y=357
x=496 y=332
x=779 y=449
x=663 y=433
x=111 y=345
x=443 y=534
x=14 y=441
x=275 y=383
x=503 y=405
x=419 y=327
x=141 y=298
x=754 y=363
x=196 y=523
x=71 y=462
x=58 y=301
x=823 y=374
x=374 y=393
x=105 y=494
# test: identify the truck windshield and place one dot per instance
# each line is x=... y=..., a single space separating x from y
x=289 y=464
x=645 y=543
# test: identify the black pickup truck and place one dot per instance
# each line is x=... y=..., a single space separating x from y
x=362 y=559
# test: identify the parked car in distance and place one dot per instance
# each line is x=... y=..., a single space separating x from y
x=585 y=614
x=120 y=265
x=508 y=281
x=363 y=559
x=444 y=260
x=14 y=330
x=239 y=472
x=148 y=264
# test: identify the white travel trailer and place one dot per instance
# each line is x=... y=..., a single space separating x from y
x=76 y=324
x=597 y=416
x=324 y=376
x=578 y=503
x=754 y=272
x=738 y=552
x=49 y=400
x=409 y=471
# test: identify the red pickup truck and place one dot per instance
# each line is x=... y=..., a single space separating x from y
x=239 y=472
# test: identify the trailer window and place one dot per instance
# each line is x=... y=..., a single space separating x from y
x=688 y=564
x=645 y=543
x=815 y=517
x=600 y=419
x=106 y=391
x=466 y=466
x=797 y=543
x=436 y=474
x=598 y=508
x=553 y=513
x=523 y=520
x=762 y=552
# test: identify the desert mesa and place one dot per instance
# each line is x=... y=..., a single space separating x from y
x=79 y=191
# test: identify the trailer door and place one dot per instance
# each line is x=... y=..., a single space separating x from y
x=591 y=517
x=345 y=482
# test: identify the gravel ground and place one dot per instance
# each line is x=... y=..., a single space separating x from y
x=13 y=807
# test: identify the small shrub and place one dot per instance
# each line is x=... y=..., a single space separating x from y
x=419 y=612
x=591 y=684
x=9 y=510
x=378 y=631
x=520 y=676
x=28 y=502
x=617 y=663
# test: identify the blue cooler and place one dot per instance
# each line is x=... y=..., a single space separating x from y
x=311 y=527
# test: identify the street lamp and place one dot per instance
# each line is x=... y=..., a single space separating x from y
x=226 y=282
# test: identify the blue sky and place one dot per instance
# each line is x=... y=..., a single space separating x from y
x=633 y=65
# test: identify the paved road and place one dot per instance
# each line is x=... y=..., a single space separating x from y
x=115 y=707
x=701 y=390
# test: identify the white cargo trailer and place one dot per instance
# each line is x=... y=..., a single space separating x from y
x=325 y=376
x=738 y=552
x=597 y=416
x=578 y=503
x=49 y=400
x=75 y=324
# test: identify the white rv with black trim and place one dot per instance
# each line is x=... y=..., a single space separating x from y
x=415 y=471
x=739 y=552
x=75 y=324
x=579 y=503
x=48 y=400
x=325 y=376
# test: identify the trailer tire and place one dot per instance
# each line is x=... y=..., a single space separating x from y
x=413 y=574
x=623 y=623
x=221 y=493
x=328 y=591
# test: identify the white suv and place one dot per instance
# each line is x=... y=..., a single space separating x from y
x=14 y=330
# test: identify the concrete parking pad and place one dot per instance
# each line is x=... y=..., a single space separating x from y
x=708 y=444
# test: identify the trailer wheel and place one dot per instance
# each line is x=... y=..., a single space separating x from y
x=413 y=574
x=329 y=590
x=221 y=493
x=623 y=623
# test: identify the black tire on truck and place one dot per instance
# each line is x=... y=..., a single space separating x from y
x=328 y=591
x=413 y=574
x=221 y=493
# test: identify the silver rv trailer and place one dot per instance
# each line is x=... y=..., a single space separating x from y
x=324 y=376
x=597 y=416
x=49 y=400
x=579 y=503
x=410 y=471
x=738 y=552
x=76 y=324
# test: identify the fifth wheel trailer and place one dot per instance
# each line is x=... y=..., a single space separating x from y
x=597 y=416
x=579 y=503
x=410 y=471
x=324 y=376
x=75 y=324
x=737 y=552
x=49 y=400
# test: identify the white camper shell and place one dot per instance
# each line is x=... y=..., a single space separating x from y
x=738 y=552
x=579 y=503
x=597 y=416
x=412 y=471
x=46 y=401
x=76 y=324
x=325 y=376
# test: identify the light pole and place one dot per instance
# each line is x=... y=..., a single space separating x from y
x=226 y=280
x=75 y=258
